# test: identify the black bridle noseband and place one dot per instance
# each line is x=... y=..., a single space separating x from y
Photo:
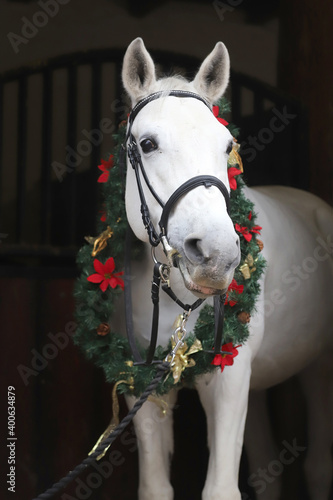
x=161 y=271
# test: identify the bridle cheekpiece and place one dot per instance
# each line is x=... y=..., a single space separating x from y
x=161 y=271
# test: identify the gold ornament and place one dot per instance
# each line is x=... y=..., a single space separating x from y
x=114 y=420
x=182 y=358
x=235 y=158
x=100 y=242
x=248 y=267
x=178 y=322
x=160 y=403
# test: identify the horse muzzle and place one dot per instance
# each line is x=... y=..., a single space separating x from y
x=206 y=274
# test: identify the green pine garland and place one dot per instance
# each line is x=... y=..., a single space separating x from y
x=111 y=352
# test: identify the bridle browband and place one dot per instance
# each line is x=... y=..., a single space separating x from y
x=161 y=271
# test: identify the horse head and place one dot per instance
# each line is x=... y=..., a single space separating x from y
x=178 y=139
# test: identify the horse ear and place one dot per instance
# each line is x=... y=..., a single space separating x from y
x=213 y=75
x=138 y=70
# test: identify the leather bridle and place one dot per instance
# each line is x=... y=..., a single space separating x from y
x=136 y=162
x=161 y=271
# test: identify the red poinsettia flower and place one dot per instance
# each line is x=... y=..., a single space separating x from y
x=216 y=111
x=105 y=166
x=235 y=287
x=226 y=359
x=232 y=172
x=105 y=275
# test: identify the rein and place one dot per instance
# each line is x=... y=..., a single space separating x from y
x=162 y=271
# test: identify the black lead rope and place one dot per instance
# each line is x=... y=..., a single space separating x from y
x=162 y=368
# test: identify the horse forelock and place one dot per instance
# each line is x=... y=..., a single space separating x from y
x=175 y=82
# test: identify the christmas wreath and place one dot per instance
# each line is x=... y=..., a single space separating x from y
x=100 y=285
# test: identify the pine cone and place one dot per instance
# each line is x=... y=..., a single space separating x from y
x=260 y=244
x=103 y=329
x=244 y=317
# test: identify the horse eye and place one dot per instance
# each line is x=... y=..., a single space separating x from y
x=229 y=148
x=148 y=145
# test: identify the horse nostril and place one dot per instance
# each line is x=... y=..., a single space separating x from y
x=193 y=250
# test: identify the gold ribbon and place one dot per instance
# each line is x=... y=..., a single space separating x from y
x=114 y=420
x=248 y=267
x=160 y=403
x=235 y=158
x=100 y=242
x=182 y=358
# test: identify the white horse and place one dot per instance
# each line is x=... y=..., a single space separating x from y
x=179 y=139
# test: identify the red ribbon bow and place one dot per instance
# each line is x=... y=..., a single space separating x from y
x=246 y=232
x=216 y=111
x=234 y=286
x=105 y=167
x=232 y=172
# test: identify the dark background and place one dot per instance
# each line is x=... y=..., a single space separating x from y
x=61 y=81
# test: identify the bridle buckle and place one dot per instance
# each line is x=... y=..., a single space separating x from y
x=133 y=153
x=164 y=271
x=169 y=251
